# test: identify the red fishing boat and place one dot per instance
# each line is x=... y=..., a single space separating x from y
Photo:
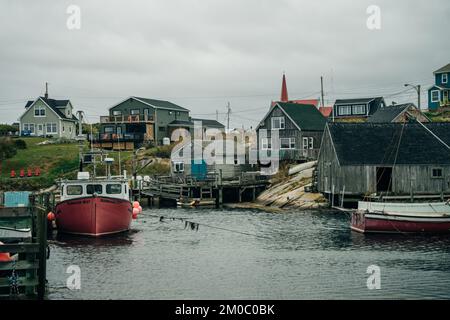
x=94 y=206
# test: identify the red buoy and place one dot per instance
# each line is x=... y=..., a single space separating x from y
x=136 y=204
x=29 y=173
x=4 y=256
x=22 y=173
x=37 y=172
x=50 y=216
x=13 y=174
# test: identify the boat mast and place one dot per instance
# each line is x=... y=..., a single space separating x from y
x=92 y=154
x=433 y=134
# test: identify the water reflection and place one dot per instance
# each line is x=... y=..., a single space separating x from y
x=283 y=256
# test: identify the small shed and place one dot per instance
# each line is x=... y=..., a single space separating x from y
x=384 y=158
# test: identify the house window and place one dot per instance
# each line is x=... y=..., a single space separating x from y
x=109 y=129
x=266 y=143
x=134 y=112
x=51 y=127
x=436 y=173
x=63 y=129
x=117 y=113
x=287 y=143
x=178 y=167
x=359 y=109
x=39 y=111
x=29 y=127
x=435 y=95
x=162 y=129
x=345 y=110
x=40 y=127
x=444 y=78
x=170 y=112
x=278 y=123
x=70 y=129
x=308 y=143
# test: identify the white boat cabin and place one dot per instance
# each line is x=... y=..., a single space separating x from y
x=110 y=188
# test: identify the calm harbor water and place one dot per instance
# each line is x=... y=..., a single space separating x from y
x=297 y=255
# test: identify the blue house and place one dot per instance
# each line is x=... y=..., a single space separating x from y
x=439 y=94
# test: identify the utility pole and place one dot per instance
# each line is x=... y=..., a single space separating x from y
x=417 y=88
x=418 y=96
x=321 y=90
x=80 y=120
x=228 y=116
x=217 y=115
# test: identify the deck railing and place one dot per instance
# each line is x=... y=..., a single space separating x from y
x=115 y=137
x=135 y=118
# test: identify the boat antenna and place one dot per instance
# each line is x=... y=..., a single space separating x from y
x=92 y=153
x=118 y=145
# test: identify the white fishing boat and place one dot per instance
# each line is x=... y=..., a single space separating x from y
x=14 y=233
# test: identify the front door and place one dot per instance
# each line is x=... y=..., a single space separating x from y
x=445 y=98
x=384 y=179
x=40 y=130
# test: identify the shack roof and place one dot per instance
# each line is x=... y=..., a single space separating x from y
x=389 y=143
x=307 y=117
x=389 y=113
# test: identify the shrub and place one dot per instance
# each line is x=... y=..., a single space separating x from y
x=161 y=151
x=20 y=144
x=7 y=149
x=6 y=128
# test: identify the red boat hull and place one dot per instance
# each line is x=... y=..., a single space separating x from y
x=382 y=223
x=93 y=216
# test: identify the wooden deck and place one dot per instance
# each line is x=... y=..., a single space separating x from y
x=212 y=189
x=25 y=276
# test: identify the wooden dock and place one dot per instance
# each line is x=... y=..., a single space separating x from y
x=210 y=191
x=25 y=276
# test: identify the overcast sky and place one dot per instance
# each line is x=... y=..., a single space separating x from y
x=201 y=54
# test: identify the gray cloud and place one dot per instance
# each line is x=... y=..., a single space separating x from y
x=202 y=54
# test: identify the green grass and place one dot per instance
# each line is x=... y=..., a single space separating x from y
x=54 y=161
x=61 y=161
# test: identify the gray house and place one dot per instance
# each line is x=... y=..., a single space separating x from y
x=359 y=159
x=299 y=126
x=48 y=117
x=228 y=165
x=136 y=121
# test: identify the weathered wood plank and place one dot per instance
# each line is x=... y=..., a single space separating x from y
x=21 y=282
x=20 y=265
x=20 y=248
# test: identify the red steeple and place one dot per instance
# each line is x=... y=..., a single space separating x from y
x=284 y=93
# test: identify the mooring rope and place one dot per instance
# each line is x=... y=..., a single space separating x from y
x=162 y=218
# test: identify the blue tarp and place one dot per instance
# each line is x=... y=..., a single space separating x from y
x=16 y=198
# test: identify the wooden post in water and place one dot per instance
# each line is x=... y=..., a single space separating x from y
x=332 y=196
x=42 y=241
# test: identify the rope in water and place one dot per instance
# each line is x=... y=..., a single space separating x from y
x=162 y=218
